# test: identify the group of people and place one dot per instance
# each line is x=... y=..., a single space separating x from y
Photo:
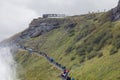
x=65 y=75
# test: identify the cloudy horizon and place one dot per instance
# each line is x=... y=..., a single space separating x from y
x=17 y=14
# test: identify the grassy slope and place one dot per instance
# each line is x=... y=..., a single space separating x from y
x=92 y=35
x=104 y=68
x=35 y=67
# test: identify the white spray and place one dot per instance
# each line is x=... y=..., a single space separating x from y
x=7 y=65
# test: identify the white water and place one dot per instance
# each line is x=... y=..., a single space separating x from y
x=7 y=65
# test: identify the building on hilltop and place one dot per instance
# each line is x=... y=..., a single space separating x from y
x=53 y=15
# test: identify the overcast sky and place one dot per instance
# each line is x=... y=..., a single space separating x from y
x=15 y=15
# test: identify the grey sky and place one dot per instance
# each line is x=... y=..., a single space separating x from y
x=15 y=15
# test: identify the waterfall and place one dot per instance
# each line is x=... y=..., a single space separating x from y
x=7 y=65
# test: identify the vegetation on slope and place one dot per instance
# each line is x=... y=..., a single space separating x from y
x=90 y=48
x=35 y=67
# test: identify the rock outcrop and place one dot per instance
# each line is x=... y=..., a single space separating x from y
x=36 y=28
x=40 y=26
x=115 y=13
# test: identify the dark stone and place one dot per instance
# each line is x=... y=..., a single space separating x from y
x=115 y=13
x=40 y=26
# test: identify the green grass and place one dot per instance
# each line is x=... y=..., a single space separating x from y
x=77 y=49
x=104 y=68
x=34 y=67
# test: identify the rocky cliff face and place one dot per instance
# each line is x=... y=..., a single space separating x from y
x=36 y=28
x=40 y=26
x=115 y=12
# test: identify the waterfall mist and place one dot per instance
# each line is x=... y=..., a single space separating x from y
x=7 y=65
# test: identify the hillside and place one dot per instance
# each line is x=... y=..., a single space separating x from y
x=88 y=45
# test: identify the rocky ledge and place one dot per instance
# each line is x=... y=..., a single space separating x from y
x=40 y=26
x=115 y=13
